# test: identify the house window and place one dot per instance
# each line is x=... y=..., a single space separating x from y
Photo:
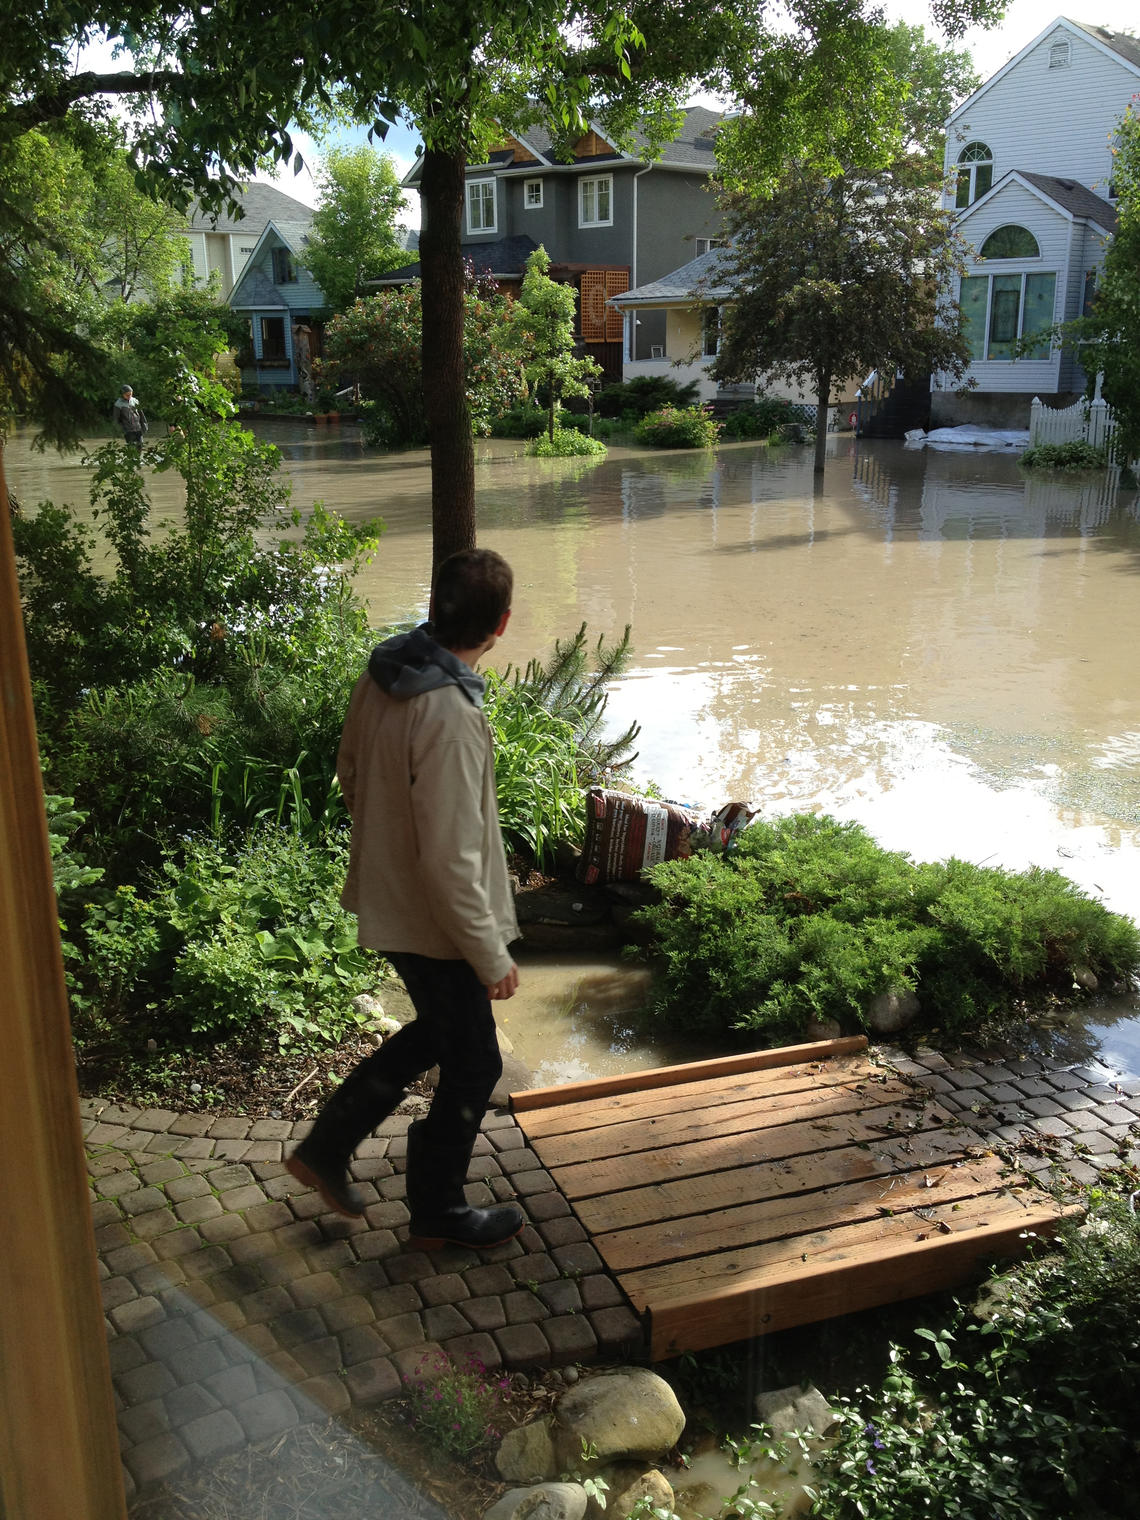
x=1089 y=295
x=273 y=338
x=1059 y=55
x=975 y=173
x=710 y=332
x=284 y=267
x=704 y=244
x=532 y=194
x=1002 y=312
x=481 y=206
x=1010 y=242
x=595 y=201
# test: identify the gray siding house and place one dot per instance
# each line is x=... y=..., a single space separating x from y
x=609 y=219
x=221 y=243
x=280 y=297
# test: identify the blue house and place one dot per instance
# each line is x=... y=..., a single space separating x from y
x=281 y=299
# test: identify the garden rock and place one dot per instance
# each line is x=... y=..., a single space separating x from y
x=629 y=1485
x=823 y=1029
x=516 y=1076
x=630 y=1413
x=892 y=1010
x=560 y=905
x=365 y=1006
x=527 y=1454
x=784 y=1410
x=546 y=1501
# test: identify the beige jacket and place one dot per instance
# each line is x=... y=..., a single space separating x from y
x=427 y=871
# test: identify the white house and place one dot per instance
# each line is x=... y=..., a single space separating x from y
x=1029 y=170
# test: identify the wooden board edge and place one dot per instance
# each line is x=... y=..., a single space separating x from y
x=831 y=1290
x=690 y=1071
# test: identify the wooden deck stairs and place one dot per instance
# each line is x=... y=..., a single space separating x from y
x=735 y=1197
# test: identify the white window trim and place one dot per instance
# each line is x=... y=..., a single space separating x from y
x=528 y=204
x=987 y=274
x=595 y=179
x=471 y=185
x=709 y=244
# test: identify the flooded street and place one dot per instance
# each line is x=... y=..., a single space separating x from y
x=934 y=644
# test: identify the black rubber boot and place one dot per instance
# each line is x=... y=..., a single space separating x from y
x=320 y=1161
x=441 y=1215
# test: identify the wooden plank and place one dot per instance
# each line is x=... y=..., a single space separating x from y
x=660 y=1202
x=743 y=1114
x=813 y=1077
x=782 y=1260
x=59 y=1451
x=833 y=1288
x=712 y=1150
x=741 y=1227
x=692 y=1071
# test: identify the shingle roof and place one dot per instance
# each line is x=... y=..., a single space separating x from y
x=261 y=203
x=1127 y=47
x=504 y=257
x=705 y=278
x=694 y=143
x=1075 y=199
x=257 y=291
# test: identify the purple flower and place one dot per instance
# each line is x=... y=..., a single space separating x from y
x=871 y=1467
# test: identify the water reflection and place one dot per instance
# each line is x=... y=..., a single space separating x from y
x=937 y=644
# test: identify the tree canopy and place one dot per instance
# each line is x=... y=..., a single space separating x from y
x=354 y=235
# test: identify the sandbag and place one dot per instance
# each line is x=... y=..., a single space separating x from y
x=625 y=834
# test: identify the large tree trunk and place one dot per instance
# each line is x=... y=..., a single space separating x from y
x=445 y=395
x=823 y=396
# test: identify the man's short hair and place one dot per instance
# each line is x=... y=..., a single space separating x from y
x=472 y=591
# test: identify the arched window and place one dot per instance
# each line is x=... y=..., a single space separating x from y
x=1010 y=242
x=975 y=173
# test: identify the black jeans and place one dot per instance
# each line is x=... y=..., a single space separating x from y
x=454 y=1028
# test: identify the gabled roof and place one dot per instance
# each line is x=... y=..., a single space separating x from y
x=694 y=147
x=1068 y=197
x=261 y=204
x=703 y=279
x=293 y=235
x=1125 y=49
x=505 y=259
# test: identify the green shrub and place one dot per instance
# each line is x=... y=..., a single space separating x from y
x=608 y=428
x=761 y=418
x=566 y=443
x=809 y=917
x=1074 y=455
x=522 y=421
x=247 y=941
x=671 y=428
x=633 y=399
x=1029 y=1414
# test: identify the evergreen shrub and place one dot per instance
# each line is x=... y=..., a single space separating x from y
x=566 y=443
x=647 y=393
x=809 y=917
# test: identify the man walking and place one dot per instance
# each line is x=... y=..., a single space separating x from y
x=129 y=415
x=427 y=880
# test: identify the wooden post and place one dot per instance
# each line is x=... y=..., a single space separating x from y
x=59 y=1452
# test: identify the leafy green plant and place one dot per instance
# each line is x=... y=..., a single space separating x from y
x=458 y=1406
x=674 y=428
x=809 y=917
x=565 y=443
x=1074 y=455
x=1029 y=1414
x=523 y=420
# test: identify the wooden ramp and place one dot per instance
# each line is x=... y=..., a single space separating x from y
x=735 y=1197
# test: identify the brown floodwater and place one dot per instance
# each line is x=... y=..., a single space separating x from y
x=932 y=643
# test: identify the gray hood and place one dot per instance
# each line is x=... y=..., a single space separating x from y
x=408 y=664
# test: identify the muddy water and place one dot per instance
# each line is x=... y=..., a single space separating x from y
x=931 y=643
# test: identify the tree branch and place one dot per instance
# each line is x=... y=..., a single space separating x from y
x=53 y=105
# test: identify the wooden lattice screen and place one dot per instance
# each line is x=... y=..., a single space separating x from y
x=601 y=323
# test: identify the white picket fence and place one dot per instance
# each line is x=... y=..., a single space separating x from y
x=1093 y=421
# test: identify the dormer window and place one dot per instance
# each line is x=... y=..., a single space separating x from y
x=1059 y=55
x=975 y=174
x=1010 y=242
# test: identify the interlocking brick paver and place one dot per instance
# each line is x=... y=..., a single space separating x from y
x=521 y=1159
x=322 y=1356
x=444 y=1321
x=232 y=1385
x=523 y=1307
x=144 y=1421
x=190 y=1402
x=599 y=1291
x=360 y=1343
x=577 y=1258
x=212 y=1434
x=267 y=1414
x=327 y=1391
x=116 y=1184
x=375 y=1244
x=1113 y=1113
x=137 y=1314
x=561 y=1232
x=572 y=1338
x=109 y=1236
x=150 y=1380
x=477 y=1346
x=483 y=1313
x=523 y=1346
x=157 y=1222
x=344 y=1313
x=396 y=1299
x=166 y=1339
x=618 y=1331
x=196 y=1148
x=372 y=1381
x=223 y=1231
x=202 y=1263
x=160 y=1457
x=535 y=1267
x=560 y=1296
x=401 y=1331
x=268 y=1216
x=115 y=1291
x=447 y=1288
x=316 y=1289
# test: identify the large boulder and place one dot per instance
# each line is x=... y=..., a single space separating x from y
x=628 y=1413
x=892 y=1010
x=527 y=1454
x=629 y=1485
x=545 y=1501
